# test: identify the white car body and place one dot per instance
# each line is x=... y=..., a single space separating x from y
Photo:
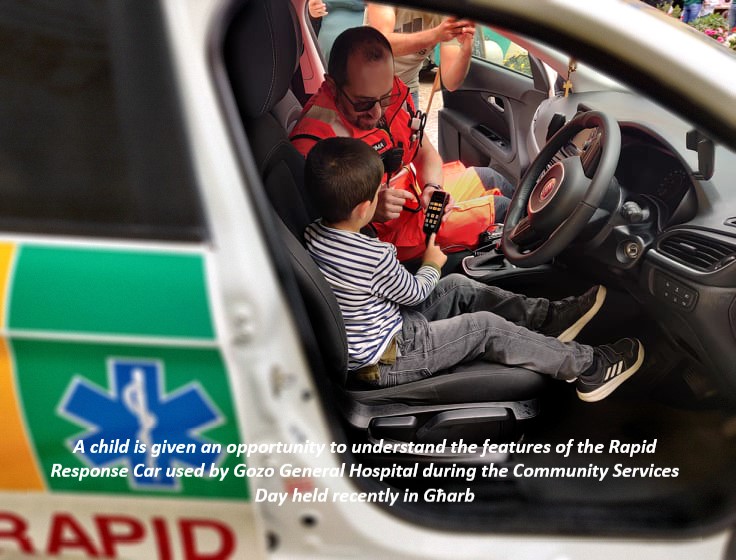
x=271 y=384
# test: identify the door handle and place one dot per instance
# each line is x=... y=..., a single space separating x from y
x=496 y=103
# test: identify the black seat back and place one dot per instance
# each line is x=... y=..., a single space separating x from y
x=322 y=309
x=261 y=51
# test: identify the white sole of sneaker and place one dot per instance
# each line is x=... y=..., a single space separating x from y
x=573 y=330
x=602 y=392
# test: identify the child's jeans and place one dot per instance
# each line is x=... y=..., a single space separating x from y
x=463 y=320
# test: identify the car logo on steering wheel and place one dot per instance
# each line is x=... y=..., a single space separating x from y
x=548 y=188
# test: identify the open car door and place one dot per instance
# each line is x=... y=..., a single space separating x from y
x=488 y=120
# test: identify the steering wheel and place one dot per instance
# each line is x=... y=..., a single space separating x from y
x=550 y=209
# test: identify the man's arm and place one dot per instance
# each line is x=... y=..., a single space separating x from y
x=455 y=58
x=428 y=164
x=383 y=18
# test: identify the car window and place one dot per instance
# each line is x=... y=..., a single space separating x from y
x=501 y=51
x=91 y=144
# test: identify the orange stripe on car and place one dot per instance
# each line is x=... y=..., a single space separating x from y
x=7 y=253
x=18 y=467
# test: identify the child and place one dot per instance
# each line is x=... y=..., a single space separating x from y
x=403 y=327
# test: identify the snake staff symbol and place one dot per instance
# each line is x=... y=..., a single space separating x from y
x=136 y=401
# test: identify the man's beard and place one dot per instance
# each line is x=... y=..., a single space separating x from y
x=365 y=122
x=368 y=123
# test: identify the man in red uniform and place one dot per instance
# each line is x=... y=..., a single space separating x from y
x=361 y=98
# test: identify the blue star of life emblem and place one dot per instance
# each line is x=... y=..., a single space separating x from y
x=138 y=411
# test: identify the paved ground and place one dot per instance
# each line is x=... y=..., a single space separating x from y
x=425 y=87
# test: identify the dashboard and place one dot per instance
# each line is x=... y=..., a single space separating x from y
x=648 y=168
x=684 y=274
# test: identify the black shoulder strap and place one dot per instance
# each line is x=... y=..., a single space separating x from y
x=306 y=137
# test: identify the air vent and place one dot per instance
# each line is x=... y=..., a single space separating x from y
x=697 y=251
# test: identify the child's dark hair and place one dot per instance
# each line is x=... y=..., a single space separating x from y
x=340 y=174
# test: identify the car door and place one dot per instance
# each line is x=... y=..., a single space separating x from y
x=487 y=121
x=116 y=383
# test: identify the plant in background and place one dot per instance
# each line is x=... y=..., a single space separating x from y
x=518 y=62
x=711 y=21
x=715 y=26
x=667 y=8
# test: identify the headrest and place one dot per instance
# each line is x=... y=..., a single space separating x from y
x=261 y=50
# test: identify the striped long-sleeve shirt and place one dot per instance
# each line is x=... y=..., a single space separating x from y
x=370 y=284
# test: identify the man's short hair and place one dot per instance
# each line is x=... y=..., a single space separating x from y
x=341 y=173
x=367 y=41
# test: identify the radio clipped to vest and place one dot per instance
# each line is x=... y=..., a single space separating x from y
x=417 y=122
x=392 y=159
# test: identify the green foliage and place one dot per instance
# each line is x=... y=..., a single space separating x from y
x=716 y=27
x=713 y=25
x=667 y=6
x=518 y=63
x=711 y=21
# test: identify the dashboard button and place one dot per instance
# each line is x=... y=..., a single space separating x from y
x=673 y=292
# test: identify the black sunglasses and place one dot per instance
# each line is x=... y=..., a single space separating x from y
x=364 y=106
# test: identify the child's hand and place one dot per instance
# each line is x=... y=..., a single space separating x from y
x=433 y=253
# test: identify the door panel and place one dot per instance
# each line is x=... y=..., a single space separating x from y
x=487 y=121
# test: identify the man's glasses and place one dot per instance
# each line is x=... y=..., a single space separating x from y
x=365 y=106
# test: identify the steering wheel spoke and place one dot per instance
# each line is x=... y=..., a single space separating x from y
x=557 y=197
x=523 y=234
x=591 y=154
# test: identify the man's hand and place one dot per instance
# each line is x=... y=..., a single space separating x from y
x=390 y=203
x=455 y=57
x=427 y=195
x=317 y=8
x=465 y=37
x=452 y=28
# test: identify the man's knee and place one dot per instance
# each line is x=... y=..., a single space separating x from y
x=500 y=208
x=493 y=179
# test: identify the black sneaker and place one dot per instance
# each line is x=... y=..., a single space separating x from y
x=567 y=317
x=612 y=365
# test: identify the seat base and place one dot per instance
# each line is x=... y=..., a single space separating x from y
x=471 y=424
x=473 y=402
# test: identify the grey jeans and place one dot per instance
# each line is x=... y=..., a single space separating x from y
x=463 y=320
x=493 y=179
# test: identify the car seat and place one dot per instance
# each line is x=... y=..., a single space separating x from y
x=475 y=401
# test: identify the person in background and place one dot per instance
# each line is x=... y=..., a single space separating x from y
x=732 y=16
x=403 y=327
x=414 y=34
x=317 y=10
x=691 y=10
x=331 y=18
x=708 y=7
